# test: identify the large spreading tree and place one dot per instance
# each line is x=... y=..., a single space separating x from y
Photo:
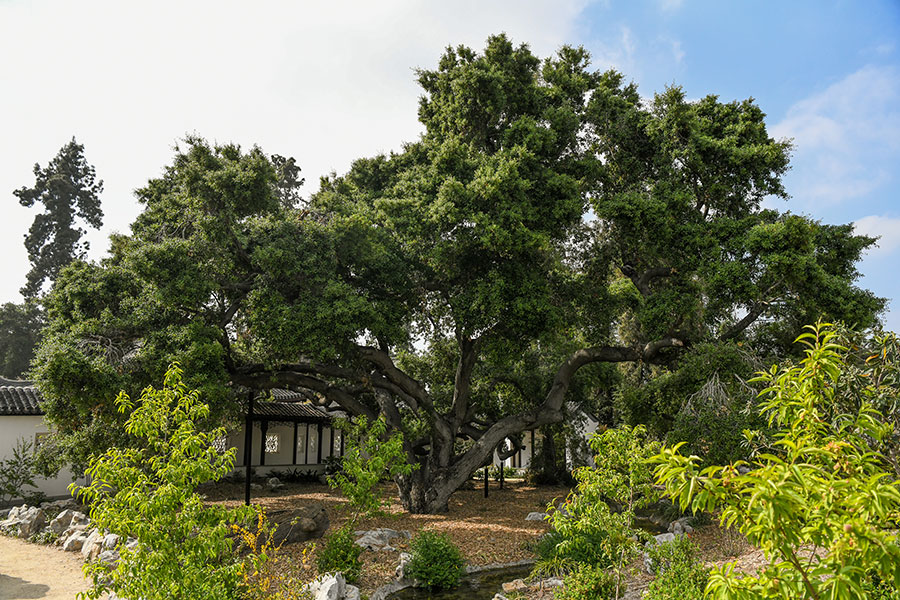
x=548 y=224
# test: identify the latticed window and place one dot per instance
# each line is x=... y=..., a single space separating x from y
x=220 y=444
x=271 y=443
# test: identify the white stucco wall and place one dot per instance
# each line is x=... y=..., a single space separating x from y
x=307 y=447
x=16 y=427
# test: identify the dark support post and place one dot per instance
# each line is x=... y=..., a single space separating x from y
x=263 y=427
x=248 y=444
x=485 y=481
x=306 y=446
x=331 y=439
x=342 y=442
x=294 y=451
x=319 y=442
x=531 y=453
x=502 y=468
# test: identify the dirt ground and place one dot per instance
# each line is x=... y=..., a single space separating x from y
x=35 y=571
x=488 y=530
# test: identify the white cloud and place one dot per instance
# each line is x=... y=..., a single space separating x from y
x=847 y=137
x=670 y=5
x=619 y=55
x=887 y=229
x=324 y=82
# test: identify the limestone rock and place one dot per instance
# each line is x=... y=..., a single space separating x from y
x=400 y=571
x=66 y=519
x=28 y=519
x=351 y=592
x=274 y=484
x=516 y=585
x=92 y=545
x=75 y=541
x=379 y=539
x=110 y=541
x=536 y=516
x=327 y=587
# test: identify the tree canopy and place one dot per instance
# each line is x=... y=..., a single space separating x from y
x=548 y=224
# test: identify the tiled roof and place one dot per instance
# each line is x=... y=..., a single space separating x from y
x=19 y=398
x=290 y=410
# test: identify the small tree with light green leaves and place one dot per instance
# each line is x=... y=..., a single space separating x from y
x=147 y=491
x=821 y=503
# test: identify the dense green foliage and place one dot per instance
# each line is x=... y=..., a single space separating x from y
x=20 y=328
x=67 y=188
x=435 y=561
x=679 y=576
x=822 y=484
x=588 y=583
x=459 y=287
x=370 y=455
x=595 y=525
x=184 y=548
x=340 y=553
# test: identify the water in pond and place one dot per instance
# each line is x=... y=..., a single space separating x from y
x=477 y=586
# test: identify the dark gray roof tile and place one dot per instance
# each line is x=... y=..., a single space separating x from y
x=19 y=398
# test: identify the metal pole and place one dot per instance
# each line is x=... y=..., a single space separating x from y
x=502 y=467
x=485 y=481
x=248 y=442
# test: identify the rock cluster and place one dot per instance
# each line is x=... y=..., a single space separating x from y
x=71 y=528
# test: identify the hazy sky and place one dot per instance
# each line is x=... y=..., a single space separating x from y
x=331 y=82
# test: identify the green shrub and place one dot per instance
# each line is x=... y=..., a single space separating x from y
x=679 y=575
x=586 y=531
x=588 y=583
x=184 y=548
x=436 y=561
x=822 y=483
x=340 y=553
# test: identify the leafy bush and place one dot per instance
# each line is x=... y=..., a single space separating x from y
x=822 y=485
x=148 y=492
x=340 y=553
x=679 y=575
x=436 y=561
x=588 y=583
x=369 y=456
x=586 y=530
x=17 y=472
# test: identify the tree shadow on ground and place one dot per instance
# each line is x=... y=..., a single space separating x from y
x=16 y=588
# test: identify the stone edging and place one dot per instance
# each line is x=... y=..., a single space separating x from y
x=395 y=586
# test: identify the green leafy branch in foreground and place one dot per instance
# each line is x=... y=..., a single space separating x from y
x=147 y=492
x=370 y=456
x=821 y=505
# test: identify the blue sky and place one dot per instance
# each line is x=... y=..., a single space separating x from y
x=329 y=82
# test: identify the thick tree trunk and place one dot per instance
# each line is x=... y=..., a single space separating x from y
x=421 y=494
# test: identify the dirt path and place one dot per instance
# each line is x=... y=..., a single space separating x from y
x=34 y=571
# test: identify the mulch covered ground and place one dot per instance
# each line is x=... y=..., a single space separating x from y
x=487 y=530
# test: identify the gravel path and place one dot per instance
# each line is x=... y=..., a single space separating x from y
x=35 y=571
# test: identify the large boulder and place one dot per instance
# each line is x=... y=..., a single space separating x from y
x=297 y=525
x=379 y=539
